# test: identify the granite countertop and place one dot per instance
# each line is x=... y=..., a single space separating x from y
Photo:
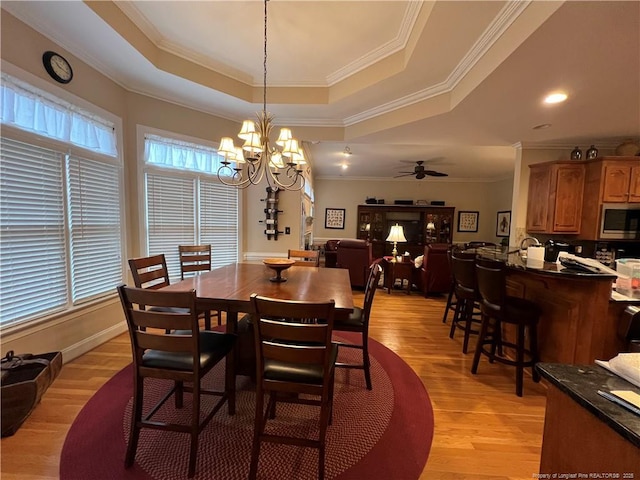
x=514 y=260
x=582 y=382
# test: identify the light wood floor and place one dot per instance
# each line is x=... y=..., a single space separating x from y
x=482 y=429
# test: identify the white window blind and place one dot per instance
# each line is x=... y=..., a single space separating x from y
x=170 y=217
x=190 y=207
x=94 y=219
x=219 y=222
x=32 y=250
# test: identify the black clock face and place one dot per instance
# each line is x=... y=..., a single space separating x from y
x=57 y=66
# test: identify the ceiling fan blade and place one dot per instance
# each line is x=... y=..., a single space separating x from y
x=405 y=174
x=433 y=173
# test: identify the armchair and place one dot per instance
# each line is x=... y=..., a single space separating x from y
x=434 y=276
x=357 y=257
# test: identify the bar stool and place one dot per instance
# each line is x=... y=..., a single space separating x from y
x=496 y=305
x=466 y=291
x=452 y=302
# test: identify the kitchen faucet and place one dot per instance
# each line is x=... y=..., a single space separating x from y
x=527 y=242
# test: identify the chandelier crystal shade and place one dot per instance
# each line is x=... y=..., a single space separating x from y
x=280 y=163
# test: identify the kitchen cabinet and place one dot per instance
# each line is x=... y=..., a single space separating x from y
x=634 y=185
x=555 y=197
x=621 y=182
x=421 y=224
x=607 y=180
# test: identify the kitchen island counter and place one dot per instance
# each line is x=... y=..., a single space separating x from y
x=579 y=320
x=584 y=432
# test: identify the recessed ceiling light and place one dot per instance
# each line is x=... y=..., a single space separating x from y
x=345 y=166
x=542 y=126
x=557 y=97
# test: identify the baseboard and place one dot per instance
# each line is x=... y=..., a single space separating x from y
x=88 y=344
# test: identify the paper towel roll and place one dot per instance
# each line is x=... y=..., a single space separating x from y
x=535 y=256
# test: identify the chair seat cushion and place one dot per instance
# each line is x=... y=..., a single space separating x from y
x=355 y=320
x=297 y=372
x=213 y=347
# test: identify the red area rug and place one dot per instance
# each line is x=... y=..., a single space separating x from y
x=385 y=433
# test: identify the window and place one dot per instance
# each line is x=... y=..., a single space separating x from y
x=34 y=110
x=61 y=238
x=185 y=202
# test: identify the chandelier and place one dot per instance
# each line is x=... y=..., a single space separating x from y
x=258 y=158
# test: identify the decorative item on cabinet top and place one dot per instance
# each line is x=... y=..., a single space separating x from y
x=628 y=148
x=576 y=154
x=592 y=152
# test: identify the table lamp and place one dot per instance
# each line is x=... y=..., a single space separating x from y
x=396 y=235
x=430 y=228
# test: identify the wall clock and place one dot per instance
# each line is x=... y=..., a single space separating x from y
x=57 y=66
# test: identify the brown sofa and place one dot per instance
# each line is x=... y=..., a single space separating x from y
x=434 y=275
x=356 y=256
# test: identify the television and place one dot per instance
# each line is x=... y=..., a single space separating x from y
x=412 y=230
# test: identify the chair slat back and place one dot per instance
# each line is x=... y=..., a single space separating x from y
x=149 y=272
x=149 y=318
x=305 y=258
x=292 y=331
x=370 y=290
x=194 y=258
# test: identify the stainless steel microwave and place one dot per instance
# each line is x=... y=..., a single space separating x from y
x=620 y=221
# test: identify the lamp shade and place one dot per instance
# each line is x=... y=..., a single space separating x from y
x=252 y=144
x=285 y=136
x=431 y=226
x=276 y=160
x=248 y=127
x=226 y=148
x=291 y=149
x=396 y=234
x=238 y=157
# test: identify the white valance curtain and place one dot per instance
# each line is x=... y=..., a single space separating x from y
x=174 y=153
x=29 y=108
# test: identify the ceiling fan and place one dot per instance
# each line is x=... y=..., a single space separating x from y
x=420 y=172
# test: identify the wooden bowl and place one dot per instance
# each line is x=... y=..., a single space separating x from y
x=278 y=265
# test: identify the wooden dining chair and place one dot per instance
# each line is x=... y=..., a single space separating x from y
x=305 y=258
x=149 y=272
x=193 y=260
x=152 y=273
x=183 y=356
x=358 y=322
x=294 y=355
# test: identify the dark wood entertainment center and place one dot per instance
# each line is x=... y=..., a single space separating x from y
x=375 y=221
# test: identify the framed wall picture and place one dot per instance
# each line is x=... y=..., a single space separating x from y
x=503 y=224
x=468 y=221
x=334 y=218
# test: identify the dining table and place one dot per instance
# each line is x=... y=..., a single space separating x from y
x=229 y=289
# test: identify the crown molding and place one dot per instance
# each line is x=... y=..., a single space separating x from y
x=398 y=43
x=505 y=18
